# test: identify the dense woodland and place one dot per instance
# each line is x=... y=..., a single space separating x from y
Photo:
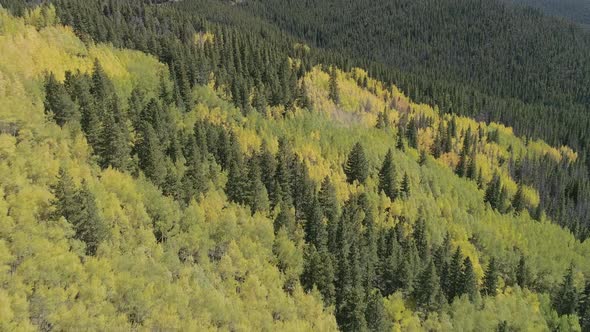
x=217 y=177
x=574 y=10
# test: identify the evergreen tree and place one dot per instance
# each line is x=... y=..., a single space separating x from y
x=490 y=279
x=455 y=276
x=256 y=194
x=65 y=201
x=584 y=308
x=518 y=200
x=357 y=166
x=412 y=134
x=115 y=143
x=468 y=280
x=57 y=101
x=493 y=192
x=405 y=187
x=334 y=91
x=400 y=141
x=88 y=226
x=387 y=177
x=428 y=294
x=194 y=180
x=522 y=273
x=150 y=155
x=329 y=201
x=375 y=315
x=566 y=299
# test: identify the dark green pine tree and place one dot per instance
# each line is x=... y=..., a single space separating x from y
x=400 y=141
x=375 y=314
x=329 y=201
x=357 y=166
x=150 y=155
x=256 y=194
x=57 y=102
x=87 y=224
x=268 y=166
x=194 y=179
x=284 y=173
x=428 y=293
x=387 y=177
x=318 y=271
x=115 y=146
x=101 y=87
x=64 y=191
x=462 y=167
x=566 y=299
x=468 y=280
x=412 y=134
x=472 y=167
x=455 y=276
x=584 y=308
x=285 y=219
x=423 y=158
x=522 y=273
x=405 y=187
x=383 y=119
x=518 y=203
x=421 y=239
x=304 y=101
x=334 y=90
x=490 y=279
x=493 y=192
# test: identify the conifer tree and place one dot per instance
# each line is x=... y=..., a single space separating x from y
x=375 y=315
x=584 y=308
x=522 y=273
x=387 y=177
x=566 y=300
x=194 y=179
x=357 y=166
x=493 y=192
x=490 y=280
x=428 y=293
x=333 y=86
x=65 y=201
x=329 y=201
x=412 y=134
x=400 y=141
x=58 y=102
x=518 y=200
x=150 y=155
x=405 y=187
x=87 y=224
x=256 y=195
x=455 y=278
x=468 y=280
x=115 y=143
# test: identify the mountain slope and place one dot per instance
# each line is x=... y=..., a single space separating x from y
x=217 y=217
x=574 y=10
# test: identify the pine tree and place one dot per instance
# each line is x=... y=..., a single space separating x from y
x=522 y=273
x=566 y=300
x=428 y=292
x=387 y=177
x=493 y=192
x=333 y=89
x=357 y=166
x=518 y=200
x=115 y=143
x=400 y=141
x=65 y=201
x=490 y=279
x=405 y=187
x=150 y=154
x=256 y=195
x=468 y=280
x=329 y=201
x=420 y=239
x=455 y=278
x=58 y=102
x=87 y=224
x=584 y=308
x=412 y=134
x=194 y=179
x=375 y=315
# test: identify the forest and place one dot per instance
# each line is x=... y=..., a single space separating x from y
x=163 y=168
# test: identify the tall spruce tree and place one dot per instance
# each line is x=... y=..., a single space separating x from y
x=357 y=166
x=58 y=102
x=490 y=279
x=566 y=299
x=387 y=177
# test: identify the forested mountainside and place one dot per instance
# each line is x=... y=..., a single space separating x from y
x=574 y=10
x=221 y=178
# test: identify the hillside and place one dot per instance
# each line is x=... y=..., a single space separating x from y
x=138 y=196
